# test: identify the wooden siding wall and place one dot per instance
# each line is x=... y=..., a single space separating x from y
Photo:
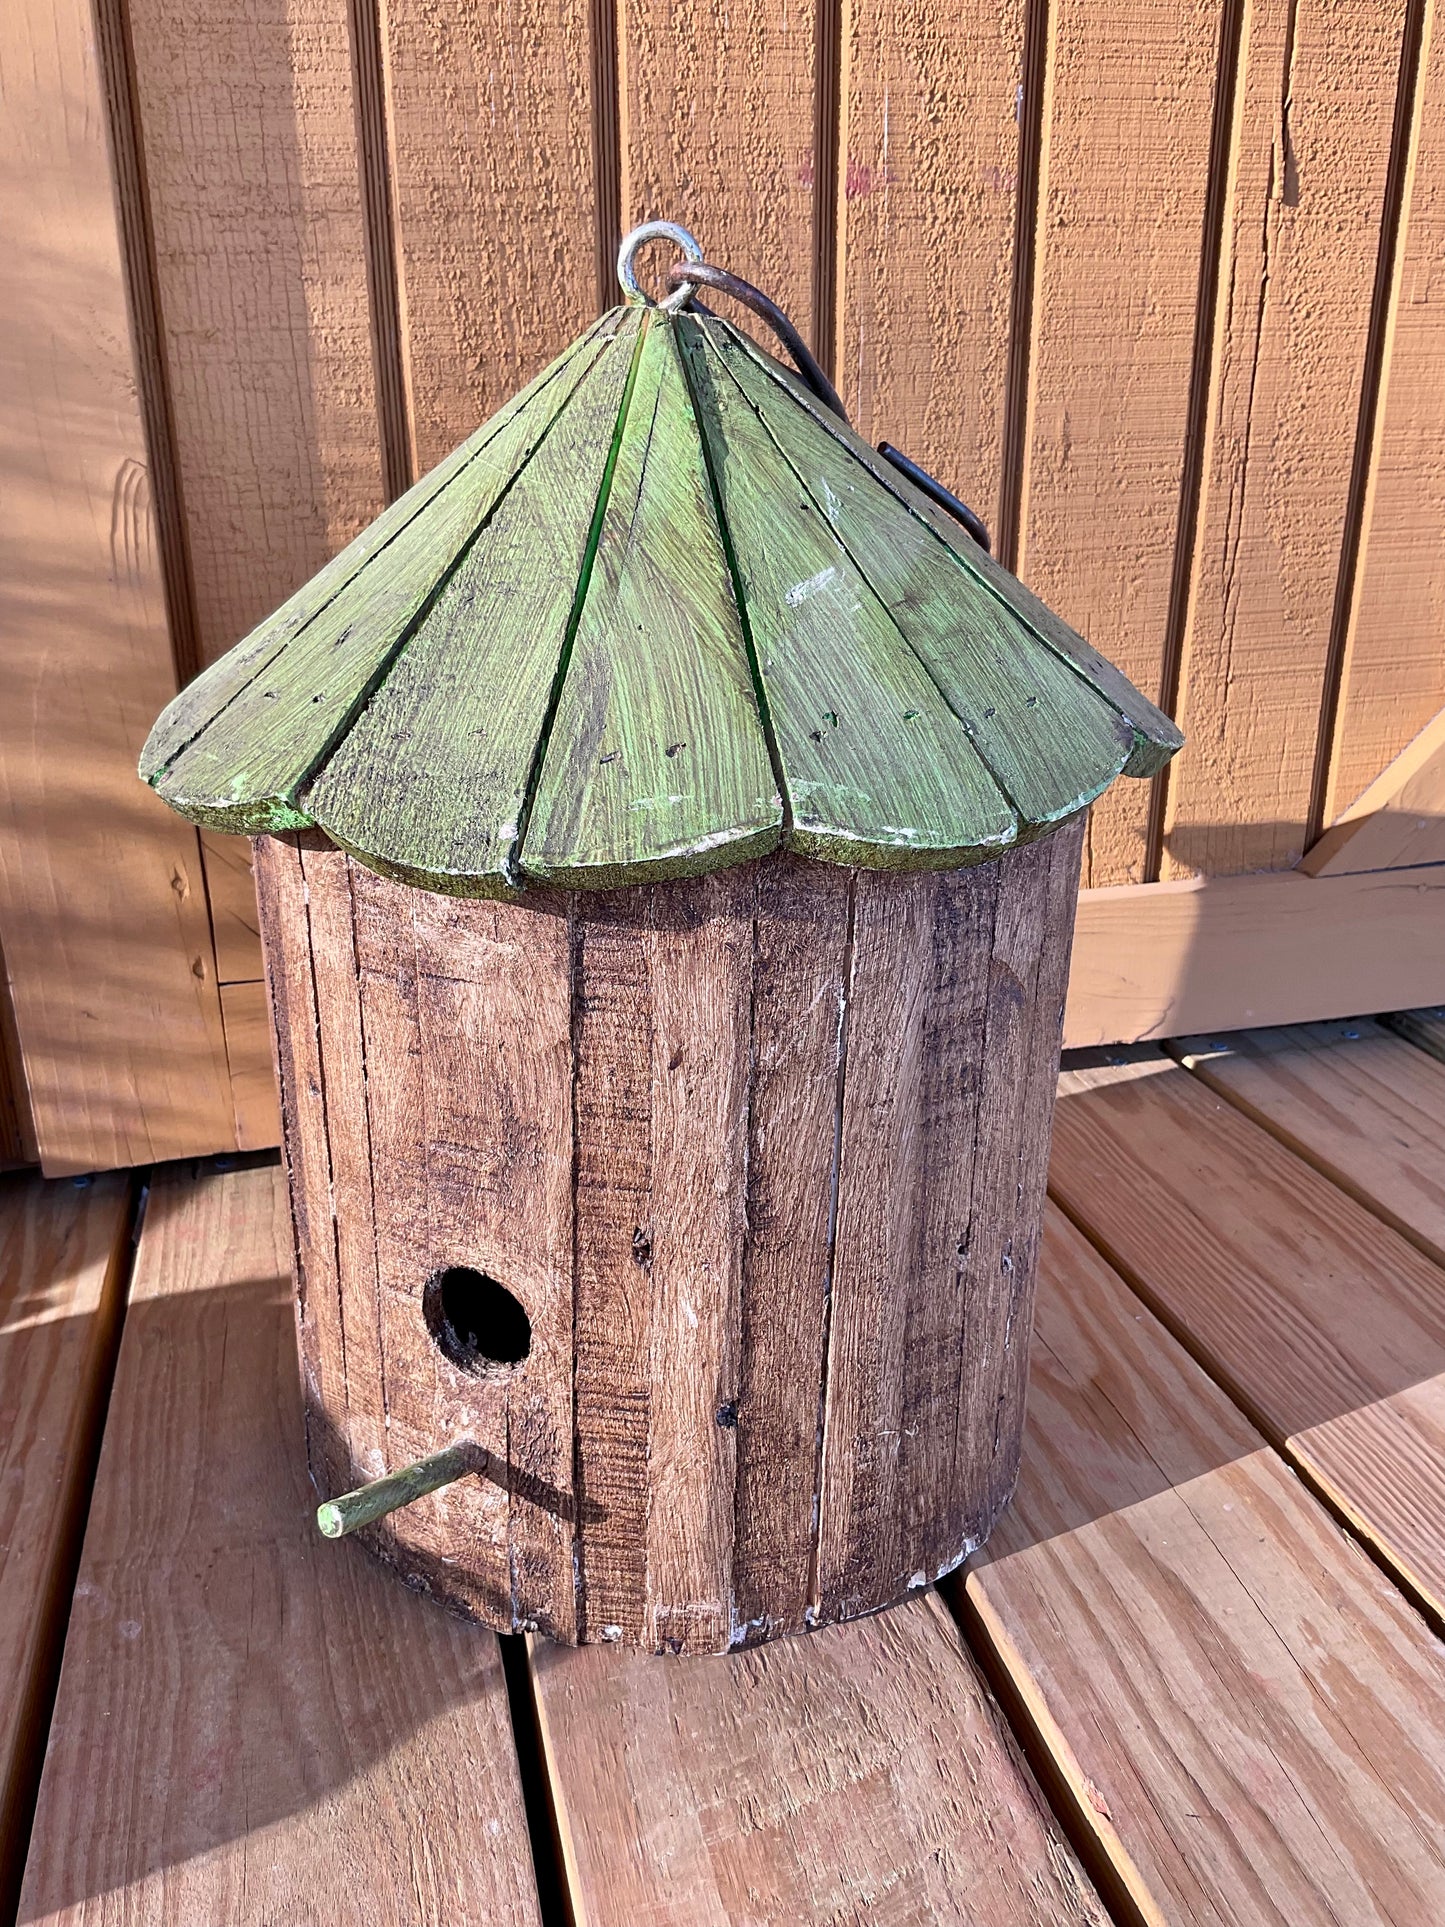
x=1157 y=288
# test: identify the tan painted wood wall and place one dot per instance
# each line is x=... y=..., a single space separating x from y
x=1158 y=289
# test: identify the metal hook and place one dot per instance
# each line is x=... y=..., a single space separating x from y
x=657 y=231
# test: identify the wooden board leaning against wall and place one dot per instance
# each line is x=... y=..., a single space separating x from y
x=1151 y=288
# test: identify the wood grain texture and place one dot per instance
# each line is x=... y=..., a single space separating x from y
x=601 y=649
x=953 y=1010
x=102 y=912
x=253 y=1076
x=248 y=126
x=1361 y=1104
x=62 y=1290
x=1393 y=676
x=1307 y=167
x=630 y=1111
x=717 y=113
x=1397 y=821
x=1049 y=738
x=235 y=749
x=1241 y=1710
x=1325 y=1324
x=929 y=164
x=231 y=895
x=800 y=967
x=656 y=754
x=225 y=1774
x=699 y=1791
x=1124 y=172
x=489 y=142
x=1218 y=953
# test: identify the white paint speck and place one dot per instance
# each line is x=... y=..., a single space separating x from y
x=802 y=591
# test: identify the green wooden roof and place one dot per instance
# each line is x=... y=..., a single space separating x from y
x=661 y=614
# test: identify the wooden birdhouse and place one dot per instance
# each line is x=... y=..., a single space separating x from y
x=667 y=828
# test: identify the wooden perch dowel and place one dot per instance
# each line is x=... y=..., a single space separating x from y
x=368 y=1502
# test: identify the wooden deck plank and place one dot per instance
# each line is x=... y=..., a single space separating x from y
x=61 y=1288
x=1360 y=1104
x=860 y=1773
x=1243 y=1710
x=251 y=1720
x=1323 y=1322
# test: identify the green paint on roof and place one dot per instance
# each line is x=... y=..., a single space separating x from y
x=661 y=614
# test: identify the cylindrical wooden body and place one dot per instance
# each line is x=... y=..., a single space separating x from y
x=760 y=1156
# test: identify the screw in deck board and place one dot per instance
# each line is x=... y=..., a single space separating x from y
x=368 y=1502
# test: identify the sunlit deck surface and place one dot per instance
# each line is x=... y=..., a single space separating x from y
x=1196 y=1677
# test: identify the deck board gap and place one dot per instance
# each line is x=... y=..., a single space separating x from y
x=1115 y=1878
x=1328 y=1168
x=20 y=1788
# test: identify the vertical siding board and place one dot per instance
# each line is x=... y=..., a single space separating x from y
x=494 y=197
x=927 y=232
x=1393 y=678
x=717 y=129
x=249 y=129
x=1295 y=288
x=1116 y=279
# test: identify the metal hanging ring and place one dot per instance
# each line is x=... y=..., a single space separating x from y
x=657 y=231
x=765 y=309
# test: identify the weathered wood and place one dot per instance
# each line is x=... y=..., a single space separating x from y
x=194 y=1719
x=1049 y=739
x=863 y=1773
x=1240 y=1709
x=630 y=1111
x=106 y=940
x=657 y=748
x=1218 y=953
x=800 y=960
x=1361 y=1105
x=62 y=1290
x=1305 y=180
x=234 y=750
x=1326 y=1325
x=952 y=1023
x=603 y=649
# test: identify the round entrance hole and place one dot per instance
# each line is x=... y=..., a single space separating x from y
x=477 y=1322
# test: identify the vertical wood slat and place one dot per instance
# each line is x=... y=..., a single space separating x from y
x=1315 y=113
x=1117 y=266
x=1393 y=668
x=102 y=911
x=935 y=1179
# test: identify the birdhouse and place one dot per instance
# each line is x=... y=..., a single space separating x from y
x=667 y=825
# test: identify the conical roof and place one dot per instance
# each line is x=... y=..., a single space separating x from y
x=663 y=613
